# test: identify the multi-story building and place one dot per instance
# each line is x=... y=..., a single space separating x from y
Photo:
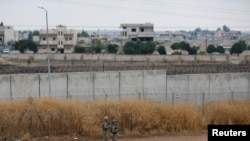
x=60 y=39
x=1 y=37
x=231 y=35
x=138 y=32
x=7 y=35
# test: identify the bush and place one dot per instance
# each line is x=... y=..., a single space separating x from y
x=161 y=50
x=138 y=47
x=79 y=49
x=112 y=48
x=176 y=53
x=211 y=49
x=97 y=47
x=24 y=45
x=238 y=47
x=202 y=53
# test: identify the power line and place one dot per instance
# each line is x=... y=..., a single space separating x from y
x=160 y=11
x=117 y=27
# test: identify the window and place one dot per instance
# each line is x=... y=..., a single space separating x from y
x=70 y=38
x=124 y=27
x=133 y=30
x=1 y=38
x=142 y=29
x=60 y=43
x=60 y=33
x=44 y=38
x=125 y=34
x=54 y=38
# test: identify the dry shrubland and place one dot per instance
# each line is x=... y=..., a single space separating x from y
x=51 y=117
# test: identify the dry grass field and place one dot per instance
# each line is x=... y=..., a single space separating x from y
x=36 y=118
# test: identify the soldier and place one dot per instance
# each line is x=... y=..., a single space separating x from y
x=114 y=129
x=105 y=127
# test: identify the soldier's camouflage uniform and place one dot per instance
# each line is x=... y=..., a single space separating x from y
x=105 y=127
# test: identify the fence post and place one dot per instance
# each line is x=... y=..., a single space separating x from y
x=248 y=87
x=119 y=85
x=39 y=85
x=173 y=96
x=67 y=89
x=105 y=95
x=166 y=87
x=232 y=93
x=10 y=88
x=93 y=85
x=203 y=102
x=143 y=85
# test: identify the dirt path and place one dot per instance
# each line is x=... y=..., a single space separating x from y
x=180 y=136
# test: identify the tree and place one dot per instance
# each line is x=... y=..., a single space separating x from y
x=175 y=46
x=83 y=34
x=1 y=24
x=97 y=47
x=238 y=47
x=184 y=45
x=147 y=47
x=112 y=48
x=129 y=47
x=218 y=29
x=24 y=45
x=220 y=49
x=138 y=47
x=79 y=49
x=35 y=33
x=161 y=50
x=225 y=28
x=181 y=45
x=211 y=49
x=30 y=36
x=197 y=30
x=192 y=51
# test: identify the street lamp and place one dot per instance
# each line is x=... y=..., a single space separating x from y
x=47 y=37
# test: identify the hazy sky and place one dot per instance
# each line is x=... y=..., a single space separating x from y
x=109 y=14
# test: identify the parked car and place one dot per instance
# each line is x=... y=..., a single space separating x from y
x=6 y=51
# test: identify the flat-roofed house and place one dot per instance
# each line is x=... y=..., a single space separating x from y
x=137 y=32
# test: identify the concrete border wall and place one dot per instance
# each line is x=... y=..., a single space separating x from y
x=147 y=84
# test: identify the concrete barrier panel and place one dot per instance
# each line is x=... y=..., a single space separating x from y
x=5 y=87
x=177 y=88
x=155 y=85
x=58 y=85
x=106 y=85
x=198 y=88
x=131 y=84
x=80 y=85
x=23 y=85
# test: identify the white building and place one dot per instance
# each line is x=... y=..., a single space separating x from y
x=138 y=32
x=7 y=35
x=60 y=39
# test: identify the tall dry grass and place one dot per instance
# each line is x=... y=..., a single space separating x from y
x=51 y=116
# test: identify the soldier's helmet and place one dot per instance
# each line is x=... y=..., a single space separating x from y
x=114 y=121
x=105 y=118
